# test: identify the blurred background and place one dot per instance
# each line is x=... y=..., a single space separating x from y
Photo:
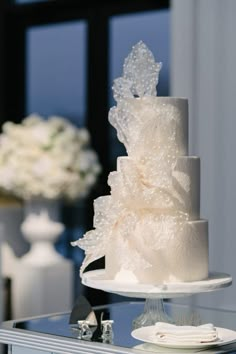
x=61 y=57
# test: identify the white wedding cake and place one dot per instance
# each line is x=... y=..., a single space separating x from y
x=149 y=227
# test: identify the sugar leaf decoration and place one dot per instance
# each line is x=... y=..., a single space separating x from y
x=140 y=74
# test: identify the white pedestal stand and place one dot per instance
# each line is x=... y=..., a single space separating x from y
x=154 y=294
x=43 y=280
x=40 y=290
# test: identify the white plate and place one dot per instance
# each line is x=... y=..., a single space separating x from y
x=146 y=334
x=97 y=279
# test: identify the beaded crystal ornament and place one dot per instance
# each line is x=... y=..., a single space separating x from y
x=146 y=199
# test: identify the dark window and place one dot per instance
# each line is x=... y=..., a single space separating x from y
x=56 y=70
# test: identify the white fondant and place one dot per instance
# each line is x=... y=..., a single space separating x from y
x=126 y=276
x=145 y=125
x=128 y=184
x=184 y=257
x=188 y=166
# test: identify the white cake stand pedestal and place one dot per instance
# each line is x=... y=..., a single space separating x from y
x=155 y=293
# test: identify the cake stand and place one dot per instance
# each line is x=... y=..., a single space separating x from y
x=154 y=293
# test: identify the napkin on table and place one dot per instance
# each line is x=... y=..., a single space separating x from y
x=166 y=332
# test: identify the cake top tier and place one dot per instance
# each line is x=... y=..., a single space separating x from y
x=146 y=124
x=152 y=126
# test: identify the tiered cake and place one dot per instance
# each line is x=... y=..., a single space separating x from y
x=149 y=228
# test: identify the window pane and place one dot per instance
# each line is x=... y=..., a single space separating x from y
x=56 y=70
x=28 y=1
x=153 y=28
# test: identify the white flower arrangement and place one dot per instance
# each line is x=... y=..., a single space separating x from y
x=46 y=158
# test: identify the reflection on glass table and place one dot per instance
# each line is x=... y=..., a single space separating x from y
x=111 y=332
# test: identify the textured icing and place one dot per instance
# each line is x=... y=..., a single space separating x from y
x=190 y=195
x=184 y=257
x=145 y=227
x=151 y=126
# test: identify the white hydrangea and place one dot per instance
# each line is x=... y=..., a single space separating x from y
x=48 y=158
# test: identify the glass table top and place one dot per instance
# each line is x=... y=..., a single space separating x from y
x=122 y=315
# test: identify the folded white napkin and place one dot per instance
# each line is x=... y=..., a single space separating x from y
x=166 y=332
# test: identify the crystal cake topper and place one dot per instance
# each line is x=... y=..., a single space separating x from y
x=140 y=74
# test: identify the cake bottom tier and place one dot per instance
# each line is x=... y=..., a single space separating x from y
x=183 y=257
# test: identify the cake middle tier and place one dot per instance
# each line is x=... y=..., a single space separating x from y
x=147 y=186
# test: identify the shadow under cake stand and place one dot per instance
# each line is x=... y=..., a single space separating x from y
x=155 y=293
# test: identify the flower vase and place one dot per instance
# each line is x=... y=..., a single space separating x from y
x=41 y=228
